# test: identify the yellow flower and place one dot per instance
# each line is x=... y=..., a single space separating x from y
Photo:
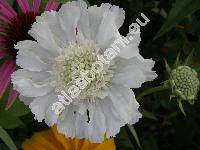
x=52 y=140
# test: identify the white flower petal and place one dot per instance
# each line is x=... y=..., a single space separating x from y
x=104 y=23
x=66 y=122
x=32 y=57
x=122 y=96
x=51 y=117
x=40 y=105
x=52 y=20
x=81 y=125
x=69 y=15
x=31 y=84
x=96 y=125
x=113 y=121
x=83 y=25
x=131 y=49
x=45 y=26
x=26 y=100
x=134 y=71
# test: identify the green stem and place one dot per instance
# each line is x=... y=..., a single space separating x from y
x=152 y=90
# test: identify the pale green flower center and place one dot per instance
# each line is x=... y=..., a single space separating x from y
x=71 y=65
x=185 y=83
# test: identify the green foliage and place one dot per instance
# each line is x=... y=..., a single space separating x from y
x=18 y=109
x=181 y=9
x=7 y=139
x=134 y=133
x=148 y=114
x=9 y=119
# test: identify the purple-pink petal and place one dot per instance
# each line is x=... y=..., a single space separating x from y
x=2 y=29
x=5 y=74
x=2 y=54
x=5 y=19
x=11 y=98
x=36 y=5
x=4 y=84
x=7 y=9
x=6 y=68
x=2 y=40
x=24 y=5
x=52 y=5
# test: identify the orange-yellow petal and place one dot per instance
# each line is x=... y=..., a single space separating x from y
x=52 y=140
x=42 y=141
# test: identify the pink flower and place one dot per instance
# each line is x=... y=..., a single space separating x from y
x=14 y=28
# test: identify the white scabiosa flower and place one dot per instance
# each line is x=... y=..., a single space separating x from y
x=67 y=44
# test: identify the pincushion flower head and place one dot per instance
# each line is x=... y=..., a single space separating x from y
x=67 y=45
x=184 y=81
x=14 y=27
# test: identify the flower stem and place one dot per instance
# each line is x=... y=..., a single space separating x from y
x=152 y=90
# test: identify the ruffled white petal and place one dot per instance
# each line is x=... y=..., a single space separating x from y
x=105 y=117
x=31 y=84
x=51 y=117
x=83 y=26
x=52 y=20
x=66 y=122
x=131 y=49
x=113 y=121
x=26 y=100
x=69 y=15
x=134 y=71
x=124 y=104
x=40 y=105
x=97 y=125
x=43 y=28
x=81 y=125
x=33 y=57
x=104 y=23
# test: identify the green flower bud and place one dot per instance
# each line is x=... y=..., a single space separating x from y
x=185 y=83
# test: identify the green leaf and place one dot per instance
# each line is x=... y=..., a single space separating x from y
x=18 y=109
x=9 y=121
x=134 y=133
x=148 y=114
x=180 y=9
x=123 y=140
x=7 y=139
x=150 y=142
x=7 y=118
x=177 y=62
x=3 y=100
x=168 y=69
x=188 y=60
x=181 y=107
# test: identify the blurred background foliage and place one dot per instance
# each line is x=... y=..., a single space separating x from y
x=174 y=28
